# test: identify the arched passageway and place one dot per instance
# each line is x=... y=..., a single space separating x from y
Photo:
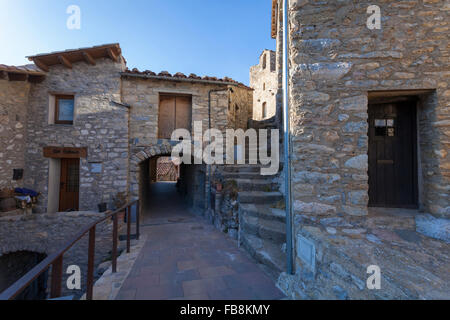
x=168 y=189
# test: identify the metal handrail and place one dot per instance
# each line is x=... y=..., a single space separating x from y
x=56 y=259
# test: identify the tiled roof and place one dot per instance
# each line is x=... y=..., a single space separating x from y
x=67 y=57
x=164 y=75
x=100 y=47
x=30 y=69
x=27 y=72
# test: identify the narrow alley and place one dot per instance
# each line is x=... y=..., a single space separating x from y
x=185 y=257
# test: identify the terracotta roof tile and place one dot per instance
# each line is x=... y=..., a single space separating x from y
x=27 y=69
x=164 y=75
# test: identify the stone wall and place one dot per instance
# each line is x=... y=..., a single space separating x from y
x=46 y=233
x=335 y=62
x=264 y=80
x=334 y=65
x=13 y=120
x=100 y=125
x=143 y=97
x=240 y=108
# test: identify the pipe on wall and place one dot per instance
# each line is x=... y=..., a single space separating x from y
x=209 y=127
x=287 y=141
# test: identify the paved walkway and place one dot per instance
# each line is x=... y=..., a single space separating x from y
x=185 y=257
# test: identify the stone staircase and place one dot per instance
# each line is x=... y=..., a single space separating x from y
x=262 y=227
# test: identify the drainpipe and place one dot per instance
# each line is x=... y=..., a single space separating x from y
x=209 y=126
x=287 y=141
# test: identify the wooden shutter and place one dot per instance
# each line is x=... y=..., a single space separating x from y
x=175 y=112
x=183 y=113
x=166 y=121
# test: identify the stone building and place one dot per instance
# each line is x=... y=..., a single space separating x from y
x=82 y=129
x=15 y=86
x=264 y=80
x=370 y=121
x=80 y=125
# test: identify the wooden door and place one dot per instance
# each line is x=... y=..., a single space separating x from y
x=393 y=155
x=69 y=185
x=175 y=112
x=183 y=112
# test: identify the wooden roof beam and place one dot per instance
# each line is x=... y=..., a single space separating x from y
x=88 y=58
x=17 y=76
x=65 y=62
x=41 y=65
x=36 y=78
x=112 y=55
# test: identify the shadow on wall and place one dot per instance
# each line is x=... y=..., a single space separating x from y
x=15 y=265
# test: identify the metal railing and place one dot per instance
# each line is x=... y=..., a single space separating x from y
x=56 y=259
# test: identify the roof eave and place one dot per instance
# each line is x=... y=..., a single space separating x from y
x=274 y=19
x=190 y=80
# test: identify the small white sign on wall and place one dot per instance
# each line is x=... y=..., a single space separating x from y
x=96 y=167
x=306 y=251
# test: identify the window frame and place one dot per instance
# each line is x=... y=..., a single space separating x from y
x=264 y=110
x=63 y=97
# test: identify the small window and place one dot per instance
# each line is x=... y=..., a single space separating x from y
x=264 y=110
x=64 y=109
x=264 y=86
x=264 y=61
x=385 y=127
x=17 y=174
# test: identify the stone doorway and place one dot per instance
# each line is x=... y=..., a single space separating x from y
x=408 y=128
x=393 y=155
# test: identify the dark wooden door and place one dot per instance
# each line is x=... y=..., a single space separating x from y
x=393 y=155
x=69 y=184
x=175 y=112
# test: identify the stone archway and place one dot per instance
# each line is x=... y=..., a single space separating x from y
x=140 y=164
x=141 y=155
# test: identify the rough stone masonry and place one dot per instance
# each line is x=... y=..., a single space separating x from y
x=336 y=62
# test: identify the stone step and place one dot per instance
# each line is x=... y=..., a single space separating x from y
x=259 y=197
x=263 y=211
x=248 y=168
x=255 y=184
x=265 y=252
x=242 y=168
x=270 y=230
x=243 y=175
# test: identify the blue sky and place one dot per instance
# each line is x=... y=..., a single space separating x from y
x=207 y=37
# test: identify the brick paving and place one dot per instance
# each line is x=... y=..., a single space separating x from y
x=185 y=257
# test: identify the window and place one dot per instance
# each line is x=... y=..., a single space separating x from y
x=264 y=110
x=264 y=61
x=264 y=86
x=385 y=127
x=64 y=109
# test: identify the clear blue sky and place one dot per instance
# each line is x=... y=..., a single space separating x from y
x=207 y=37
